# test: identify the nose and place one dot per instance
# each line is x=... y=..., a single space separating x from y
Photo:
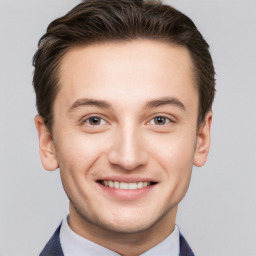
x=128 y=150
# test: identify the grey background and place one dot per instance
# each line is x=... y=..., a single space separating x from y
x=217 y=216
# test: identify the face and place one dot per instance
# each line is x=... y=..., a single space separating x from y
x=125 y=133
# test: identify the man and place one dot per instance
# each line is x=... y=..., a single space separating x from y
x=124 y=92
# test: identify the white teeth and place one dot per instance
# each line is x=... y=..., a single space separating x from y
x=133 y=185
x=116 y=184
x=140 y=184
x=109 y=183
x=125 y=185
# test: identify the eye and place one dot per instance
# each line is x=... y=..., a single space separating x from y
x=95 y=120
x=160 y=120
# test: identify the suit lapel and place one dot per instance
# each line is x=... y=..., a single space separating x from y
x=53 y=247
x=185 y=250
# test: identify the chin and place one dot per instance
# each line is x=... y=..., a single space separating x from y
x=131 y=222
x=127 y=226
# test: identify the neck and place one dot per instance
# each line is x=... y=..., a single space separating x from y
x=126 y=244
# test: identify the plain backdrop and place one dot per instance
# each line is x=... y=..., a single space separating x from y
x=218 y=214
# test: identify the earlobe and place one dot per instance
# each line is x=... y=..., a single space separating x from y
x=203 y=141
x=46 y=146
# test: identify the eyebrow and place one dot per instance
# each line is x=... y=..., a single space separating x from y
x=150 y=104
x=165 y=101
x=89 y=102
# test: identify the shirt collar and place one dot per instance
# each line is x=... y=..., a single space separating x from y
x=74 y=245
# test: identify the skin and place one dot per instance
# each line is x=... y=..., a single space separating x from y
x=145 y=101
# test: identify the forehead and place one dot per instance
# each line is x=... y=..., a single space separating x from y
x=126 y=71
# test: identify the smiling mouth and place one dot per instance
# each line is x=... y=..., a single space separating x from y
x=125 y=185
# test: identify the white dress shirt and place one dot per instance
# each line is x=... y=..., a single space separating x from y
x=74 y=245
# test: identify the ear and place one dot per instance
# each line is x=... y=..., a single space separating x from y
x=46 y=146
x=203 y=141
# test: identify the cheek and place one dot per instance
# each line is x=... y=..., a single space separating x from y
x=174 y=151
x=76 y=153
x=76 y=146
x=175 y=156
x=75 y=156
x=178 y=163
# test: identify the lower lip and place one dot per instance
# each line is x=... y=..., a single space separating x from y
x=126 y=194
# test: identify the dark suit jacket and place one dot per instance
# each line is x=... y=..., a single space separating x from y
x=53 y=247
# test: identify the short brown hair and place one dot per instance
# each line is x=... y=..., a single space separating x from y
x=96 y=21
